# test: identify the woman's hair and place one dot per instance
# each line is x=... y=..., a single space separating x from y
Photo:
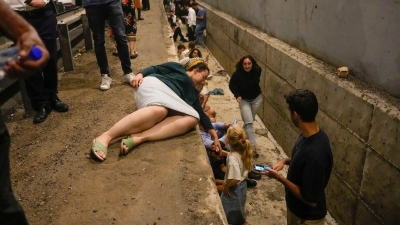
x=239 y=64
x=198 y=53
x=237 y=140
x=196 y=63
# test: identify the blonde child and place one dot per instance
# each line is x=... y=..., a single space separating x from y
x=238 y=164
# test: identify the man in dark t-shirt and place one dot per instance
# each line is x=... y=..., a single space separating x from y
x=310 y=164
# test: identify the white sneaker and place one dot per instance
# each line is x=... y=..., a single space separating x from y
x=105 y=82
x=128 y=77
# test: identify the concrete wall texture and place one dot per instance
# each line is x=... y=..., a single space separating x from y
x=362 y=35
x=364 y=134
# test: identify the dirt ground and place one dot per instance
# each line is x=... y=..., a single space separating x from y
x=56 y=182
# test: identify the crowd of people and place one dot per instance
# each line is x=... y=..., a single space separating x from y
x=169 y=103
x=190 y=14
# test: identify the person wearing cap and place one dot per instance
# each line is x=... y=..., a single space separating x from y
x=43 y=86
x=167 y=100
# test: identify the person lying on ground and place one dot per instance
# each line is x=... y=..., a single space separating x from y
x=167 y=103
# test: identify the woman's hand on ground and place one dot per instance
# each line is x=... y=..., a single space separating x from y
x=239 y=99
x=137 y=80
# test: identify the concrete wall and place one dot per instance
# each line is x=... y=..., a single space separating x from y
x=364 y=133
x=363 y=35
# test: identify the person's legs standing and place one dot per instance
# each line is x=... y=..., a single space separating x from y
x=97 y=17
x=42 y=86
x=11 y=213
x=199 y=35
x=255 y=105
x=116 y=22
x=248 y=119
x=146 y=4
x=191 y=33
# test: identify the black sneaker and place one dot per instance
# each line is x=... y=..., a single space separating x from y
x=254 y=175
x=251 y=183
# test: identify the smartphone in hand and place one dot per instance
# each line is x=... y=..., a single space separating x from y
x=261 y=168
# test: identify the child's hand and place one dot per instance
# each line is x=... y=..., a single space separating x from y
x=227 y=191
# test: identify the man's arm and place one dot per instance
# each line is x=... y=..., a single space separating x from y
x=25 y=36
x=293 y=188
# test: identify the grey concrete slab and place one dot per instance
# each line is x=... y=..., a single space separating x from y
x=257 y=45
x=274 y=89
x=348 y=150
x=236 y=51
x=364 y=215
x=285 y=134
x=341 y=201
x=385 y=135
x=219 y=36
x=349 y=109
x=380 y=187
x=328 y=29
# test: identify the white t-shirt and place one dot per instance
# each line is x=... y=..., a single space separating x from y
x=183 y=54
x=234 y=167
x=191 y=17
x=184 y=61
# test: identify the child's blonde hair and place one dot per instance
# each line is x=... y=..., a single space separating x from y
x=238 y=141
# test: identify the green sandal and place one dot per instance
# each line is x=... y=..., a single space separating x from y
x=129 y=143
x=96 y=147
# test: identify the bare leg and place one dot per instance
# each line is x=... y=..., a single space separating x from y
x=132 y=47
x=135 y=122
x=171 y=126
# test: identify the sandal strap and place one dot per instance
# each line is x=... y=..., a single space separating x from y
x=97 y=146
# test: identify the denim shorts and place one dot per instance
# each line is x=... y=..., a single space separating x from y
x=234 y=205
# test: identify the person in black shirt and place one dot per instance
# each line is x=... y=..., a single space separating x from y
x=245 y=86
x=310 y=165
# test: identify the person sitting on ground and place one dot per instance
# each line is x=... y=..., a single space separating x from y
x=182 y=51
x=178 y=32
x=167 y=103
x=218 y=166
x=191 y=46
x=195 y=52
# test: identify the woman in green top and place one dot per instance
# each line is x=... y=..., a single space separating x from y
x=167 y=98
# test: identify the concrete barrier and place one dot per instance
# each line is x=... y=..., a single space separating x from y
x=363 y=128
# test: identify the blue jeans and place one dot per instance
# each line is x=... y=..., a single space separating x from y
x=199 y=34
x=248 y=110
x=234 y=205
x=97 y=16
